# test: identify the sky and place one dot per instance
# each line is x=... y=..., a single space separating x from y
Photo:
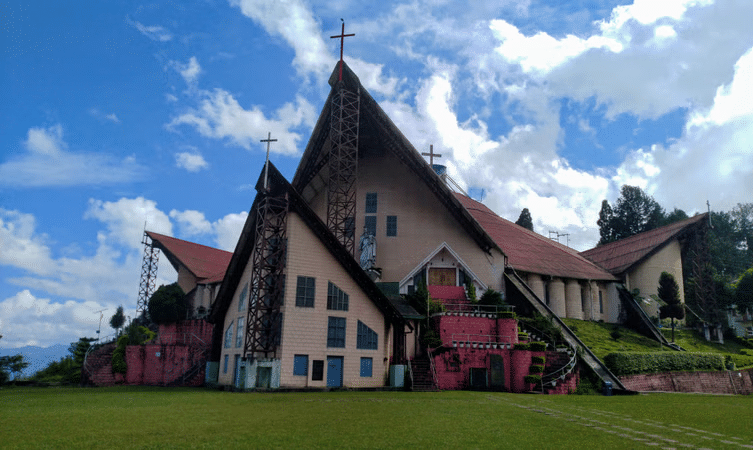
x=121 y=115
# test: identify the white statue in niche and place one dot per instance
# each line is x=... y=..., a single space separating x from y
x=367 y=245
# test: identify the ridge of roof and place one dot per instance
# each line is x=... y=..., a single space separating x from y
x=531 y=252
x=619 y=256
x=394 y=140
x=204 y=262
x=296 y=203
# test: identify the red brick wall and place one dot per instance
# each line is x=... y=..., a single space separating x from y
x=475 y=329
x=726 y=382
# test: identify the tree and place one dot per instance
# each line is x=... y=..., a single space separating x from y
x=78 y=353
x=11 y=365
x=635 y=212
x=525 y=219
x=118 y=319
x=167 y=304
x=669 y=293
x=743 y=295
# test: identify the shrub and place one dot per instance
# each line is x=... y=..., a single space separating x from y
x=585 y=387
x=431 y=339
x=521 y=346
x=119 y=364
x=507 y=315
x=491 y=297
x=628 y=363
x=536 y=368
x=741 y=360
x=472 y=293
x=538 y=360
x=538 y=346
x=167 y=304
x=532 y=379
x=616 y=334
x=522 y=336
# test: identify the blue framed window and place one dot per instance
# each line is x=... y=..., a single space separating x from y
x=368 y=339
x=366 y=365
x=305 y=291
x=391 y=225
x=371 y=203
x=239 y=333
x=229 y=336
x=225 y=363
x=336 y=332
x=369 y=222
x=243 y=298
x=337 y=300
x=301 y=365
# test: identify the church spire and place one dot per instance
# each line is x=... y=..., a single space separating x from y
x=342 y=37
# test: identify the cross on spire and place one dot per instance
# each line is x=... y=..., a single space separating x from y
x=266 y=163
x=342 y=37
x=431 y=155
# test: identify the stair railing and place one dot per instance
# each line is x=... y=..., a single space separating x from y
x=410 y=373
x=434 y=378
x=550 y=379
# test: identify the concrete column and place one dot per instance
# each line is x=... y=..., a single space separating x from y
x=537 y=286
x=573 y=301
x=556 y=288
x=612 y=304
x=591 y=299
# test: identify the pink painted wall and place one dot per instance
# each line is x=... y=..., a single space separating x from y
x=470 y=328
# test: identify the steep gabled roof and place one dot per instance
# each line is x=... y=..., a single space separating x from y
x=620 y=256
x=242 y=255
x=531 y=252
x=376 y=134
x=207 y=264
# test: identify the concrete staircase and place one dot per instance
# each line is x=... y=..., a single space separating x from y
x=97 y=369
x=556 y=361
x=423 y=380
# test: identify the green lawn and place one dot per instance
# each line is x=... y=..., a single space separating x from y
x=141 y=417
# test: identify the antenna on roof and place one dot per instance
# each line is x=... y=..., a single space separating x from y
x=555 y=236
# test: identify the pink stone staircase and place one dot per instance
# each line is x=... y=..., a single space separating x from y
x=97 y=368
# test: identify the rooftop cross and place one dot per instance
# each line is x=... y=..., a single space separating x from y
x=266 y=164
x=342 y=37
x=431 y=155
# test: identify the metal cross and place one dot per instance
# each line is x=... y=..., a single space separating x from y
x=431 y=155
x=266 y=164
x=342 y=37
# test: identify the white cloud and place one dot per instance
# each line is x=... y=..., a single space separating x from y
x=192 y=162
x=228 y=230
x=220 y=116
x=191 y=223
x=113 y=118
x=190 y=71
x=48 y=163
x=293 y=21
x=153 y=32
x=126 y=219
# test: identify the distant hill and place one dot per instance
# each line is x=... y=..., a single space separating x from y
x=37 y=357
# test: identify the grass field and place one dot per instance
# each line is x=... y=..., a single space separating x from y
x=141 y=417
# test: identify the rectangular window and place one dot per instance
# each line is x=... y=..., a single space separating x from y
x=239 y=333
x=243 y=298
x=304 y=293
x=225 y=363
x=229 y=336
x=368 y=339
x=366 y=364
x=337 y=300
x=317 y=370
x=371 y=203
x=301 y=365
x=336 y=332
x=391 y=225
x=601 y=304
x=369 y=223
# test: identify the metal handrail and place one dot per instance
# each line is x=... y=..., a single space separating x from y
x=434 y=378
x=473 y=308
x=410 y=373
x=479 y=339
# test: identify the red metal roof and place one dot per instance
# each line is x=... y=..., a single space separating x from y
x=531 y=252
x=208 y=264
x=619 y=256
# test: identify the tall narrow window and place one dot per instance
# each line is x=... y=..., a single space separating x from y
x=337 y=300
x=336 y=332
x=305 y=291
x=243 y=298
x=225 y=363
x=369 y=222
x=371 y=203
x=601 y=304
x=301 y=365
x=229 y=336
x=366 y=364
x=368 y=339
x=239 y=333
x=391 y=225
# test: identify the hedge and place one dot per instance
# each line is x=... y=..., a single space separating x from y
x=538 y=360
x=521 y=346
x=532 y=379
x=535 y=368
x=538 y=346
x=628 y=363
x=741 y=360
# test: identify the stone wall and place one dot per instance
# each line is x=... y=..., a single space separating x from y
x=726 y=382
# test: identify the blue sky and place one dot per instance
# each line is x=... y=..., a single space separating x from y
x=116 y=114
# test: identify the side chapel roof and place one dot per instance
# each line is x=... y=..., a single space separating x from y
x=377 y=133
x=243 y=250
x=207 y=264
x=620 y=256
x=528 y=251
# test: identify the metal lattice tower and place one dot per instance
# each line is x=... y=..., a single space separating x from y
x=343 y=166
x=148 y=273
x=264 y=320
x=704 y=292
